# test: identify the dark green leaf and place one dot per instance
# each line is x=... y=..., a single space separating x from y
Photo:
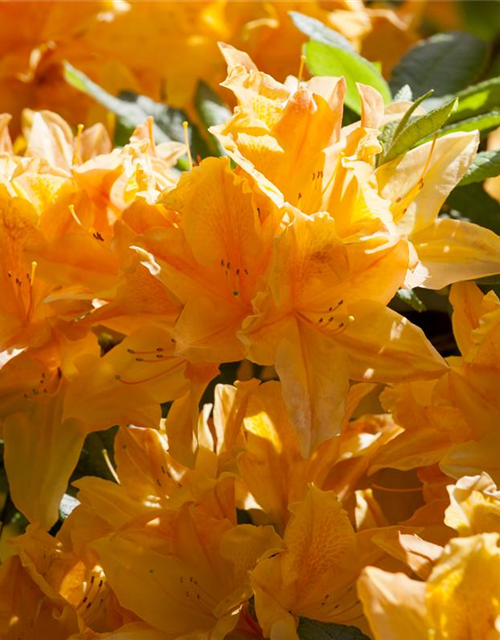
x=411 y=299
x=494 y=69
x=486 y=165
x=446 y=62
x=316 y=30
x=314 y=630
x=482 y=17
x=411 y=110
x=417 y=129
x=473 y=204
x=349 y=117
x=132 y=110
x=327 y=60
x=211 y=112
x=480 y=98
x=168 y=121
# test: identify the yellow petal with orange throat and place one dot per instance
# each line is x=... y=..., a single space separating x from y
x=463 y=591
x=219 y=217
x=25 y=609
x=313 y=576
x=160 y=589
x=139 y=374
x=258 y=93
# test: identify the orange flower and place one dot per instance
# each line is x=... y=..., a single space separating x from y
x=212 y=259
x=323 y=320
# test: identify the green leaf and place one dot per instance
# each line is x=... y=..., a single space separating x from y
x=411 y=110
x=314 y=630
x=482 y=17
x=410 y=297
x=386 y=138
x=446 y=62
x=316 y=30
x=480 y=98
x=327 y=60
x=417 y=129
x=473 y=204
x=349 y=116
x=132 y=110
x=484 y=123
x=392 y=129
x=486 y=165
x=211 y=112
x=494 y=69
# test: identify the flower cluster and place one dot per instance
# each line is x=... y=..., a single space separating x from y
x=351 y=486
x=162 y=49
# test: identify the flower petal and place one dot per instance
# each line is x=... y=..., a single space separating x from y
x=393 y=604
x=41 y=452
x=385 y=347
x=454 y=250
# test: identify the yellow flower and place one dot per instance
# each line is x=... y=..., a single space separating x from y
x=51 y=591
x=453 y=421
x=163 y=50
x=474 y=506
x=185 y=572
x=279 y=130
x=50 y=137
x=417 y=185
x=51 y=399
x=212 y=259
x=459 y=600
x=472 y=381
x=25 y=609
x=323 y=320
x=275 y=124
x=315 y=575
x=272 y=470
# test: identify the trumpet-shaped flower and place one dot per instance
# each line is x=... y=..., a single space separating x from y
x=188 y=575
x=212 y=259
x=417 y=185
x=404 y=196
x=270 y=464
x=315 y=574
x=51 y=400
x=323 y=320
